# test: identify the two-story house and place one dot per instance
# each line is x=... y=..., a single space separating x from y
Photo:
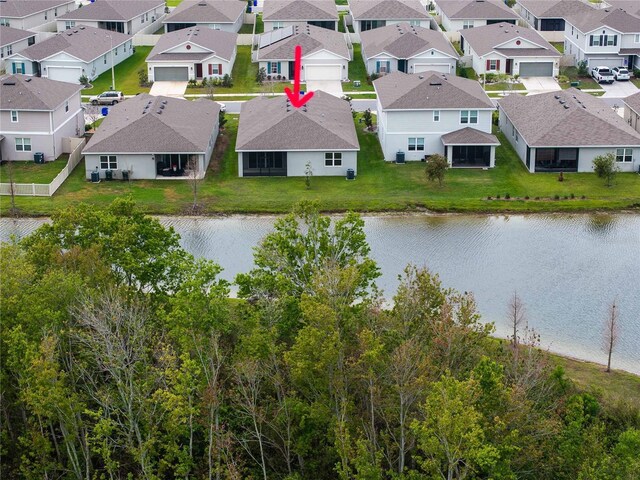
x=13 y=41
x=547 y=16
x=283 y=13
x=38 y=15
x=632 y=111
x=459 y=15
x=433 y=113
x=607 y=37
x=226 y=15
x=36 y=114
x=371 y=14
x=114 y=15
x=70 y=54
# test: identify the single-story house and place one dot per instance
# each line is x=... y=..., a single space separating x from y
x=114 y=15
x=509 y=49
x=37 y=15
x=405 y=48
x=13 y=40
x=564 y=131
x=547 y=16
x=227 y=15
x=192 y=53
x=152 y=137
x=276 y=139
x=283 y=13
x=434 y=113
x=370 y=14
x=632 y=111
x=325 y=55
x=36 y=115
x=70 y=54
x=459 y=15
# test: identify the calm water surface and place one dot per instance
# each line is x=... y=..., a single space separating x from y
x=566 y=268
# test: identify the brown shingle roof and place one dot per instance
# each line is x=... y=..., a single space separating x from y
x=617 y=19
x=489 y=38
x=181 y=127
x=469 y=136
x=113 y=10
x=387 y=10
x=34 y=93
x=10 y=35
x=206 y=11
x=24 y=8
x=218 y=42
x=543 y=121
x=429 y=90
x=270 y=124
x=311 y=39
x=633 y=102
x=404 y=41
x=476 y=9
x=303 y=10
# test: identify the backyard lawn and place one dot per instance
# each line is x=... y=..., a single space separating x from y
x=259 y=24
x=558 y=46
x=379 y=186
x=246 y=28
x=126 y=75
x=357 y=71
x=31 y=172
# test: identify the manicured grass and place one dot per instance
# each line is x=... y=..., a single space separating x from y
x=259 y=24
x=458 y=48
x=342 y=2
x=466 y=72
x=636 y=82
x=160 y=31
x=126 y=75
x=173 y=3
x=499 y=86
x=586 y=82
x=341 y=22
x=357 y=71
x=380 y=186
x=246 y=28
x=31 y=172
x=558 y=46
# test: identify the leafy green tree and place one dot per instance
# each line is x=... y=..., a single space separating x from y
x=435 y=168
x=605 y=167
x=261 y=75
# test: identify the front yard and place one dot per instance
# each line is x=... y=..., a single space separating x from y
x=31 y=172
x=571 y=73
x=126 y=74
x=380 y=186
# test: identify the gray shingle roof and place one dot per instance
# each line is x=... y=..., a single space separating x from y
x=10 y=35
x=113 y=10
x=429 y=90
x=476 y=9
x=489 y=38
x=85 y=43
x=206 y=11
x=34 y=93
x=469 y=136
x=616 y=18
x=269 y=124
x=182 y=127
x=404 y=41
x=24 y=8
x=299 y=10
x=387 y=10
x=217 y=41
x=631 y=6
x=545 y=122
x=633 y=102
x=311 y=39
x=555 y=8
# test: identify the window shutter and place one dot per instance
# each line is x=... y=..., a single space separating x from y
x=23 y=70
x=377 y=67
x=591 y=40
x=615 y=40
x=488 y=67
x=498 y=65
x=388 y=67
x=601 y=39
x=220 y=69
x=13 y=66
x=278 y=67
x=268 y=68
x=210 y=69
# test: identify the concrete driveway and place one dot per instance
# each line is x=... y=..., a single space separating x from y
x=540 y=84
x=619 y=89
x=168 y=89
x=333 y=87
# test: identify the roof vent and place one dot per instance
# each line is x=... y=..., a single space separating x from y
x=69 y=34
x=562 y=102
x=435 y=84
x=162 y=107
x=202 y=4
x=163 y=102
x=566 y=107
x=420 y=77
x=27 y=79
x=8 y=83
x=557 y=97
x=584 y=106
x=81 y=27
x=159 y=112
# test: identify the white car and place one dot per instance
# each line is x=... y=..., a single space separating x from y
x=621 y=73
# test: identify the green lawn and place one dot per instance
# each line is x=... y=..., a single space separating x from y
x=499 y=86
x=259 y=24
x=636 y=82
x=246 y=28
x=173 y=3
x=341 y=22
x=31 y=172
x=342 y=2
x=380 y=186
x=357 y=71
x=586 y=82
x=126 y=75
x=558 y=46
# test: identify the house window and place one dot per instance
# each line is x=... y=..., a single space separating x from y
x=14 y=116
x=9 y=50
x=66 y=106
x=142 y=19
x=414 y=23
x=215 y=26
x=636 y=38
x=467 y=24
x=277 y=25
x=19 y=67
x=146 y=16
x=436 y=115
x=416 y=144
x=611 y=40
x=215 y=69
x=108 y=162
x=516 y=137
x=46 y=14
x=1 y=52
x=116 y=50
x=55 y=12
x=594 y=40
x=333 y=159
x=23 y=144
x=468 y=116
x=383 y=67
x=69 y=24
x=104 y=58
x=624 y=155
x=5 y=22
x=493 y=64
x=275 y=66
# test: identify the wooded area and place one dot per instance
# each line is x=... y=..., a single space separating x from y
x=124 y=357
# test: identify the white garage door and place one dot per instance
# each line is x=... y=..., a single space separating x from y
x=171 y=74
x=441 y=67
x=323 y=72
x=71 y=75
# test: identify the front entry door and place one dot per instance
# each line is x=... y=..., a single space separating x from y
x=198 y=70
x=509 y=68
x=291 y=70
x=402 y=66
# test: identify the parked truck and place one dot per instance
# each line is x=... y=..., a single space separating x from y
x=602 y=74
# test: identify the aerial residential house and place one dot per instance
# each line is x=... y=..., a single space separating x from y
x=276 y=139
x=564 y=131
x=227 y=15
x=547 y=16
x=70 y=54
x=509 y=49
x=325 y=55
x=36 y=115
x=13 y=41
x=405 y=48
x=632 y=111
x=458 y=15
x=192 y=53
x=153 y=137
x=371 y=14
x=283 y=13
x=124 y=16
x=606 y=37
x=37 y=15
x=433 y=113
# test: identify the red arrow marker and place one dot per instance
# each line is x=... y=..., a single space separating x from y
x=295 y=98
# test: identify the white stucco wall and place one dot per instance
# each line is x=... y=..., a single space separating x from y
x=227 y=66
x=324 y=60
x=428 y=59
x=268 y=26
x=297 y=163
x=15 y=48
x=44 y=20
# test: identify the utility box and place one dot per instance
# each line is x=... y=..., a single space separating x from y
x=108 y=174
x=125 y=174
x=95 y=176
x=38 y=157
x=351 y=174
x=399 y=157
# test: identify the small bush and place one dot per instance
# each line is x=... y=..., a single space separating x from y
x=572 y=196
x=261 y=76
x=556 y=197
x=537 y=198
x=495 y=117
x=507 y=196
x=192 y=82
x=491 y=78
x=227 y=82
x=566 y=197
x=498 y=197
x=373 y=77
x=83 y=80
x=583 y=197
x=526 y=197
x=489 y=197
x=563 y=79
